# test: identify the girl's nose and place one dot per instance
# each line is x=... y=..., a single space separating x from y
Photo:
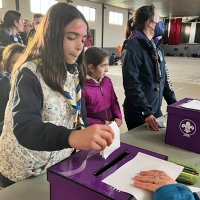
x=79 y=45
x=106 y=68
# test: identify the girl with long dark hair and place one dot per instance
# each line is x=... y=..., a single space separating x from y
x=45 y=117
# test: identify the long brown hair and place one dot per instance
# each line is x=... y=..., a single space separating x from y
x=47 y=46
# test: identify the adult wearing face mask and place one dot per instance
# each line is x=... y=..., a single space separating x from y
x=145 y=75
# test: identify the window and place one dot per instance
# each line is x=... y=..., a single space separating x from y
x=0 y=3
x=115 y=18
x=41 y=6
x=89 y=13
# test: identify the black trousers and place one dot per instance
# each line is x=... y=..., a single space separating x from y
x=5 y=182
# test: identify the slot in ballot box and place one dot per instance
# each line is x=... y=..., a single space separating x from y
x=183 y=126
x=80 y=175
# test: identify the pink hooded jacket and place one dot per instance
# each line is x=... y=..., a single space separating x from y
x=100 y=101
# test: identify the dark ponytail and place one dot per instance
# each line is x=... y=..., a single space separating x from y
x=129 y=28
x=137 y=22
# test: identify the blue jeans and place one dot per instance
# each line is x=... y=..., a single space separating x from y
x=5 y=182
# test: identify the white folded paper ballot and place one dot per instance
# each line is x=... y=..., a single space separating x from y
x=122 y=178
x=115 y=144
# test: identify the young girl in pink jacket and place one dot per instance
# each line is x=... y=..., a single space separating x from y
x=98 y=93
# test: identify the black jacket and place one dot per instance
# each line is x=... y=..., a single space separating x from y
x=139 y=78
x=5 y=40
x=4 y=95
x=24 y=37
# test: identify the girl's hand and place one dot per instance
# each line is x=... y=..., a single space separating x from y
x=152 y=180
x=96 y=137
x=118 y=122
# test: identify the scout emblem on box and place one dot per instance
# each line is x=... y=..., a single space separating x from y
x=187 y=127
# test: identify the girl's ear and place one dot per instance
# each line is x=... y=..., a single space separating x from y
x=90 y=68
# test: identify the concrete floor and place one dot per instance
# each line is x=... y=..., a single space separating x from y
x=184 y=74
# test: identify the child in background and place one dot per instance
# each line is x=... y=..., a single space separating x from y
x=112 y=60
x=45 y=113
x=9 y=57
x=99 y=95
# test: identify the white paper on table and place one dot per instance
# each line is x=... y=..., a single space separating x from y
x=116 y=141
x=122 y=179
x=161 y=124
x=193 y=104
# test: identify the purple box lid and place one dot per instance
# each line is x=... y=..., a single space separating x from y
x=176 y=108
x=80 y=168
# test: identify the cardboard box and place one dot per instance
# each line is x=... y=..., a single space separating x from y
x=80 y=176
x=183 y=126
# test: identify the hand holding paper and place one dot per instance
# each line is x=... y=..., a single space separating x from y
x=115 y=144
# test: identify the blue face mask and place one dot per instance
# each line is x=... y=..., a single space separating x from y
x=159 y=29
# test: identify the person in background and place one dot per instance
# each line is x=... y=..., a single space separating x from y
x=45 y=118
x=112 y=60
x=12 y=23
x=163 y=186
x=37 y=19
x=88 y=41
x=98 y=94
x=9 y=57
x=145 y=74
x=27 y=28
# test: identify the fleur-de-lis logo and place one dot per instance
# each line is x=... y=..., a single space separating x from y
x=187 y=127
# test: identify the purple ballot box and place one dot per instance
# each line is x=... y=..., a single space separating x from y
x=79 y=177
x=183 y=126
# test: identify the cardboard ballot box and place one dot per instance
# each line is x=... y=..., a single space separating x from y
x=183 y=126
x=80 y=176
